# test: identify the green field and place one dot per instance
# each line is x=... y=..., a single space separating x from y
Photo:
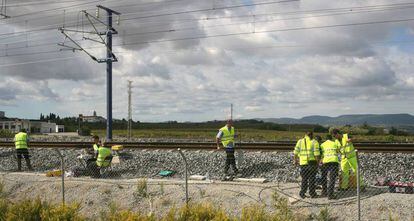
x=246 y=135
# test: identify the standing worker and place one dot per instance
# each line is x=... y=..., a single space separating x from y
x=330 y=166
x=348 y=157
x=306 y=154
x=226 y=136
x=21 y=141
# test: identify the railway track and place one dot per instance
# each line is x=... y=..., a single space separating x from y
x=262 y=146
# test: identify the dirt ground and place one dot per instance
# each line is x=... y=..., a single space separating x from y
x=96 y=195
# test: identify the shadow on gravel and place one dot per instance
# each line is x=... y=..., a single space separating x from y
x=366 y=193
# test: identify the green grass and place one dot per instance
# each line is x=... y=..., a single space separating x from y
x=246 y=135
x=28 y=210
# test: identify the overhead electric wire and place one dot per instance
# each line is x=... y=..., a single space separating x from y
x=74 y=11
x=54 y=9
x=182 y=12
x=236 y=34
x=279 y=46
x=38 y=61
x=39 y=3
x=196 y=28
x=348 y=10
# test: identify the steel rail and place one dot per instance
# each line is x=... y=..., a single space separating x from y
x=258 y=146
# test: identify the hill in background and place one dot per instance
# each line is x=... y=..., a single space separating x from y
x=386 y=120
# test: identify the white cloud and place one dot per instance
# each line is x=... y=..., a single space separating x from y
x=283 y=73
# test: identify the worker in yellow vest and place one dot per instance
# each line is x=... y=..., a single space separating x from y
x=330 y=166
x=103 y=155
x=21 y=141
x=96 y=143
x=226 y=136
x=306 y=154
x=348 y=158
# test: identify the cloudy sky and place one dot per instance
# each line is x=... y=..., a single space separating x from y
x=190 y=59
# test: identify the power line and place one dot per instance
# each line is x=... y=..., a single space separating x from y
x=38 y=61
x=278 y=46
x=235 y=34
x=74 y=11
x=39 y=3
x=54 y=9
x=257 y=21
x=168 y=14
x=205 y=27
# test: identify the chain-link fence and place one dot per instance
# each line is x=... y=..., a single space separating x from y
x=153 y=181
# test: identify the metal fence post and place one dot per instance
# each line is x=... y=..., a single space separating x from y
x=358 y=180
x=62 y=168
x=186 y=175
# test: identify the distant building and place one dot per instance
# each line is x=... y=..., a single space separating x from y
x=92 y=119
x=2 y=114
x=60 y=128
x=42 y=127
x=32 y=126
x=14 y=125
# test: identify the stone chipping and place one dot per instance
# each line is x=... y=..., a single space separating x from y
x=275 y=166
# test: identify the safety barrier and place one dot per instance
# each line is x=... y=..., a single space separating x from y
x=154 y=180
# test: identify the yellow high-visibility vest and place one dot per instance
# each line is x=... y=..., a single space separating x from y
x=347 y=149
x=330 y=152
x=95 y=147
x=20 y=140
x=103 y=152
x=228 y=136
x=307 y=150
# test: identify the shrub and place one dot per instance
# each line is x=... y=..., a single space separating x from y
x=255 y=213
x=6 y=134
x=281 y=205
x=62 y=213
x=141 y=189
x=325 y=215
x=116 y=214
x=28 y=210
x=201 y=212
x=4 y=206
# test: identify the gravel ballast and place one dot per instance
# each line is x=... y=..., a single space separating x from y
x=275 y=166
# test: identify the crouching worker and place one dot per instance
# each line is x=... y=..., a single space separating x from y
x=226 y=137
x=90 y=157
x=103 y=158
x=21 y=141
x=330 y=166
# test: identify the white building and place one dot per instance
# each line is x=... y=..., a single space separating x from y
x=42 y=127
x=60 y=128
x=14 y=125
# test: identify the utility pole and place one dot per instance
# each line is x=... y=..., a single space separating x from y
x=129 y=110
x=110 y=57
x=231 y=111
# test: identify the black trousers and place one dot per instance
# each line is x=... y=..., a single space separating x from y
x=308 y=174
x=20 y=153
x=92 y=168
x=329 y=170
x=230 y=161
